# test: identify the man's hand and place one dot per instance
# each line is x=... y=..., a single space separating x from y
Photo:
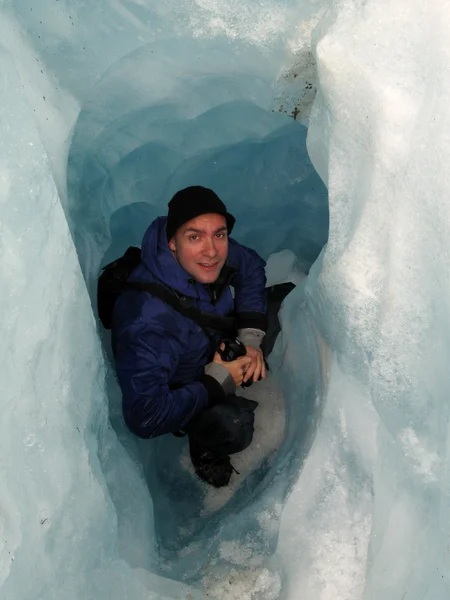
x=237 y=368
x=257 y=367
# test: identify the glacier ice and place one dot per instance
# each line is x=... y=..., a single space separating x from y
x=107 y=109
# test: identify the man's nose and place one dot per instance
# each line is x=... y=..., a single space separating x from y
x=209 y=248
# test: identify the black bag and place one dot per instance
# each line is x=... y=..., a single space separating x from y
x=114 y=280
x=110 y=283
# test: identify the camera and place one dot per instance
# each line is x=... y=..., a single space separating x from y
x=233 y=349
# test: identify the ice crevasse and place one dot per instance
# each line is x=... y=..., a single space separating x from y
x=325 y=127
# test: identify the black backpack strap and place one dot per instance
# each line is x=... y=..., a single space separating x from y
x=225 y=326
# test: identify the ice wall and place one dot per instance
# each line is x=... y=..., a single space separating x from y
x=57 y=522
x=371 y=509
x=106 y=102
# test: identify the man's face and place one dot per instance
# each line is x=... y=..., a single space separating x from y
x=201 y=246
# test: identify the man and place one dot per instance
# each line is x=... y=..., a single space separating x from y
x=171 y=375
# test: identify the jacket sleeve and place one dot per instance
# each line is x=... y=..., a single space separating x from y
x=147 y=355
x=250 y=287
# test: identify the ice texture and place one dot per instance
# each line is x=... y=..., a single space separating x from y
x=107 y=108
x=369 y=516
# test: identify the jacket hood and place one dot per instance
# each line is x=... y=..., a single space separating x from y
x=159 y=260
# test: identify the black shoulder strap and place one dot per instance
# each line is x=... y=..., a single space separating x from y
x=224 y=325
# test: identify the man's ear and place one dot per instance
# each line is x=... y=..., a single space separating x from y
x=172 y=245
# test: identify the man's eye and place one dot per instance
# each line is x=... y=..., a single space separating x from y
x=220 y=235
x=193 y=237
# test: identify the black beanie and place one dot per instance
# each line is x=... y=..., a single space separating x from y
x=192 y=202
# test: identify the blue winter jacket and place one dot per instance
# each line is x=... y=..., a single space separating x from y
x=160 y=354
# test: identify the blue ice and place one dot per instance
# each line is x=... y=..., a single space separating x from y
x=107 y=109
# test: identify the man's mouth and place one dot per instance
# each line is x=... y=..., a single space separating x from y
x=208 y=266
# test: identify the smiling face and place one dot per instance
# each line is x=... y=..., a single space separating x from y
x=201 y=246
